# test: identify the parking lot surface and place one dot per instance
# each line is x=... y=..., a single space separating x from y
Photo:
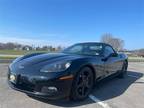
x=114 y=93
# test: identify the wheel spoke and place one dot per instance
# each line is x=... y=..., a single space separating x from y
x=80 y=85
x=83 y=91
x=83 y=76
x=87 y=85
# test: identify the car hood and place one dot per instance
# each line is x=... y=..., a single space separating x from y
x=48 y=58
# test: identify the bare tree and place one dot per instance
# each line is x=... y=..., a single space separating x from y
x=116 y=43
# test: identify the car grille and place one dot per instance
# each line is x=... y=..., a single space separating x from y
x=24 y=84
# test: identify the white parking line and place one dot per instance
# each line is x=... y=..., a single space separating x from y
x=99 y=102
x=142 y=78
x=133 y=76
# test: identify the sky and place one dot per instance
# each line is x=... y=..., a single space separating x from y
x=65 y=22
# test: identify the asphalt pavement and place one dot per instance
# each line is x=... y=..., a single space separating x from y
x=114 y=93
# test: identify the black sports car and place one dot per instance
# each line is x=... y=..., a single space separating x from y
x=71 y=73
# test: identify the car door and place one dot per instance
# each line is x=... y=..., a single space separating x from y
x=112 y=61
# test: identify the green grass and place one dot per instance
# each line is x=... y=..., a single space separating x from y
x=6 y=58
x=136 y=59
x=18 y=52
x=12 y=54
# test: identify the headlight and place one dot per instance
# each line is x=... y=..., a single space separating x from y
x=56 y=67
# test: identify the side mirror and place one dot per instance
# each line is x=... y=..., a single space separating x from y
x=111 y=55
x=105 y=58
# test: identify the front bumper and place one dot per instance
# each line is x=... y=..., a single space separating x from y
x=39 y=86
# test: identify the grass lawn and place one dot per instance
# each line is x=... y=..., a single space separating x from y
x=136 y=59
x=17 y=52
x=6 y=58
x=12 y=54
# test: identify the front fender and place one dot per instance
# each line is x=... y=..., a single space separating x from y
x=78 y=64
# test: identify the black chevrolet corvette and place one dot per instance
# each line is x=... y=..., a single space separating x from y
x=71 y=73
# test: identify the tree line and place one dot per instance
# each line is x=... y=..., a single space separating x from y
x=17 y=46
x=116 y=43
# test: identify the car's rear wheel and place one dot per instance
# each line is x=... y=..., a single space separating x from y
x=124 y=70
x=82 y=84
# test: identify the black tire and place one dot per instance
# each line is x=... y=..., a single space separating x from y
x=123 y=72
x=82 y=84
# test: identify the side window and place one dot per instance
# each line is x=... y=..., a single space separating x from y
x=108 y=50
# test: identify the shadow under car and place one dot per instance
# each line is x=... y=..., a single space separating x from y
x=104 y=90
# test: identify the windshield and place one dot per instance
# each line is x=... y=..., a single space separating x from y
x=85 y=49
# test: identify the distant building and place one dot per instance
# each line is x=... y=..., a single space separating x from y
x=27 y=48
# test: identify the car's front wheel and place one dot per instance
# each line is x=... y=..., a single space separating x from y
x=82 y=84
